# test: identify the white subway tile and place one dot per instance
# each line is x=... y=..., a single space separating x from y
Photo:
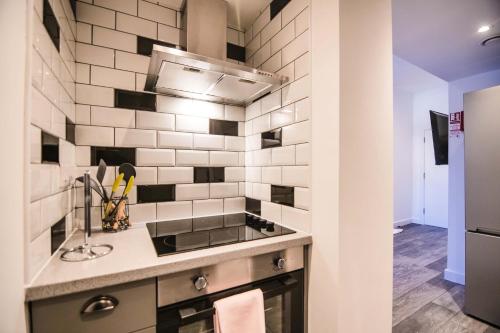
x=94 y=136
x=37 y=70
x=155 y=157
x=58 y=125
x=302 y=110
x=140 y=81
x=35 y=144
x=271 y=175
x=271 y=211
x=94 y=55
x=142 y=213
x=273 y=64
x=262 y=157
x=87 y=94
x=252 y=47
x=191 y=157
x=261 y=191
x=41 y=40
x=175 y=140
x=224 y=158
x=125 y=6
x=296 y=133
x=302 y=198
x=41 y=180
x=109 y=176
x=82 y=155
x=248 y=128
x=271 y=29
x=38 y=253
x=262 y=55
x=293 y=9
x=112 y=117
x=41 y=110
x=191 y=124
x=241 y=158
x=282 y=117
x=54 y=208
x=35 y=219
x=136 y=25
x=191 y=191
x=82 y=73
x=261 y=124
x=287 y=71
x=175 y=175
x=51 y=86
x=223 y=190
x=295 y=49
x=242 y=189
x=132 y=62
x=95 y=15
x=232 y=36
x=271 y=102
x=283 y=155
x=296 y=219
x=303 y=154
x=253 y=110
x=234 y=174
x=82 y=114
x=248 y=35
x=169 y=34
x=208 y=141
x=66 y=153
x=253 y=174
x=155 y=120
x=102 y=76
x=174 y=210
x=114 y=39
x=145 y=175
x=126 y=137
x=208 y=207
x=177 y=105
x=302 y=22
x=235 y=143
x=234 y=205
x=157 y=13
x=296 y=176
x=206 y=109
x=234 y=113
x=296 y=90
x=262 y=20
x=83 y=32
x=282 y=38
x=95 y=218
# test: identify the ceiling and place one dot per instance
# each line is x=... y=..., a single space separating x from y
x=441 y=36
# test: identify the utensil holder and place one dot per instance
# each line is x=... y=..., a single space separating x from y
x=115 y=218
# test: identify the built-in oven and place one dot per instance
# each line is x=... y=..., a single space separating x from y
x=185 y=299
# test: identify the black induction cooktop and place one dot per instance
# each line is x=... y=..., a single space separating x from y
x=170 y=237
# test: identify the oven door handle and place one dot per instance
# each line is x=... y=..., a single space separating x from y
x=189 y=315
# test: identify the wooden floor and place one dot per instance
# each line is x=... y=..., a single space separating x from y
x=423 y=300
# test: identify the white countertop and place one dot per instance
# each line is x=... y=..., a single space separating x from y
x=134 y=258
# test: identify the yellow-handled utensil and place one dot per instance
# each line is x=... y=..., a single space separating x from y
x=116 y=184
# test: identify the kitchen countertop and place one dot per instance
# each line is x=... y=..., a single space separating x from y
x=134 y=258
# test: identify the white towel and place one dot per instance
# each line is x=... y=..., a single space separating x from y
x=241 y=313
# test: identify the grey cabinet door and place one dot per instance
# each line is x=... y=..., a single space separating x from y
x=482 y=160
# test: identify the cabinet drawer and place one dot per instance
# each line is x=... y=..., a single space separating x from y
x=135 y=309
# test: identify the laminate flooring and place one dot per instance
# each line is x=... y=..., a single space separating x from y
x=422 y=300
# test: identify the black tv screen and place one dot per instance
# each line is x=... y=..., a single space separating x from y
x=439 y=124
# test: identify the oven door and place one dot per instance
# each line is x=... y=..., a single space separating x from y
x=283 y=306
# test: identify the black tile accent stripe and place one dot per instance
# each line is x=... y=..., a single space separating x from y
x=235 y=52
x=50 y=23
x=208 y=174
x=155 y=193
x=277 y=6
x=73 y=6
x=57 y=234
x=50 y=148
x=253 y=206
x=70 y=131
x=271 y=139
x=283 y=195
x=145 y=45
x=223 y=127
x=112 y=155
x=135 y=100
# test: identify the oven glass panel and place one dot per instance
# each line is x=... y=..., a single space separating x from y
x=202 y=326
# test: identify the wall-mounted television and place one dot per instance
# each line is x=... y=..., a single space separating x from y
x=439 y=124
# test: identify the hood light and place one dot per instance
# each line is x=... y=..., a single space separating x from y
x=483 y=29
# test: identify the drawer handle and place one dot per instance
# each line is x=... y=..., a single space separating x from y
x=101 y=303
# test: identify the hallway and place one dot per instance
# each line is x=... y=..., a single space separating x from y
x=422 y=300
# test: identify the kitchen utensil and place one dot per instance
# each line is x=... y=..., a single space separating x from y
x=93 y=185
x=101 y=171
x=116 y=184
x=128 y=171
x=126 y=191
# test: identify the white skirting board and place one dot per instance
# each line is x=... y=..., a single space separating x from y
x=454 y=276
x=403 y=222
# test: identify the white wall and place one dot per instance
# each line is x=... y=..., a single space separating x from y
x=456 y=211
x=13 y=32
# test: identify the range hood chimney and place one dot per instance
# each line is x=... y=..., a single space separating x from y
x=202 y=71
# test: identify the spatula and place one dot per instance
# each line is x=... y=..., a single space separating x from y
x=101 y=171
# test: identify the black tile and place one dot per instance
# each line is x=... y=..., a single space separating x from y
x=135 y=100
x=277 y=6
x=155 y=193
x=271 y=139
x=112 y=155
x=145 y=45
x=70 y=131
x=50 y=148
x=235 y=52
x=253 y=206
x=223 y=127
x=57 y=234
x=283 y=195
x=208 y=175
x=73 y=6
x=50 y=23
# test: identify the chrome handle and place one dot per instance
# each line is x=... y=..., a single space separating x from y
x=101 y=303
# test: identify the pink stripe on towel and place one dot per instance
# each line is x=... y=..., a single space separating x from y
x=241 y=313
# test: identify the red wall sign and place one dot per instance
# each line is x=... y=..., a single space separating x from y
x=456 y=122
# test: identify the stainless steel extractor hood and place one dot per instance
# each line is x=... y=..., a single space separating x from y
x=202 y=72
